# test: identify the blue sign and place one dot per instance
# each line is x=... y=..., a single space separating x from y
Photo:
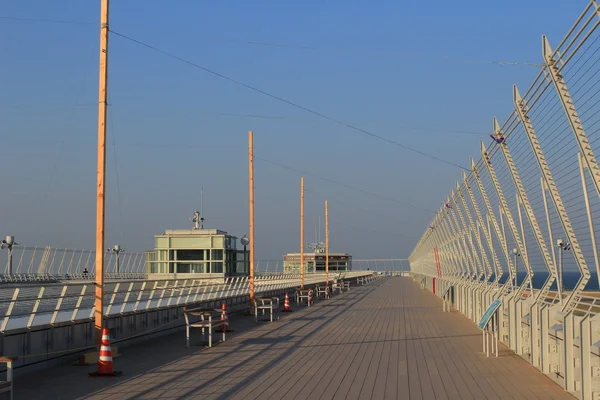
x=487 y=315
x=446 y=291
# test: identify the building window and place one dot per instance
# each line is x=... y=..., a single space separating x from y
x=217 y=267
x=199 y=268
x=217 y=255
x=190 y=255
x=183 y=268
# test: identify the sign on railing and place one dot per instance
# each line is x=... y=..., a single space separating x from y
x=487 y=315
x=446 y=292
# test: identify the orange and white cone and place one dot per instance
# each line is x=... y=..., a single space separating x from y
x=286 y=304
x=225 y=319
x=105 y=361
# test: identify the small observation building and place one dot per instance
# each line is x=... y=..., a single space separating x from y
x=195 y=253
x=315 y=262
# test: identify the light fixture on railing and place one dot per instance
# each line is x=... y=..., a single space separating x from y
x=517 y=254
x=563 y=246
x=9 y=242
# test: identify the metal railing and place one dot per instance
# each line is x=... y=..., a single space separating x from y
x=530 y=203
x=47 y=264
x=37 y=262
x=26 y=306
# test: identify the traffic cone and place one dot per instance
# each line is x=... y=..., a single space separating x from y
x=224 y=318
x=286 y=304
x=105 y=361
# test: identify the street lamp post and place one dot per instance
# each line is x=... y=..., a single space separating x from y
x=562 y=246
x=9 y=242
x=245 y=242
x=516 y=254
x=117 y=250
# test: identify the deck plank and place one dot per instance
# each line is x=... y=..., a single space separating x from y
x=385 y=340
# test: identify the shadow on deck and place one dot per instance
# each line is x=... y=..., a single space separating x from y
x=388 y=339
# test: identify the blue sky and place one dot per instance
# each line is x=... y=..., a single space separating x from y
x=174 y=128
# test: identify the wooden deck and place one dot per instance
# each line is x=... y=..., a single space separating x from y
x=386 y=340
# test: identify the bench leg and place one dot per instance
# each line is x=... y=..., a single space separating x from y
x=187 y=336
x=210 y=337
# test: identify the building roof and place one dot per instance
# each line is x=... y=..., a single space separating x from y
x=318 y=254
x=192 y=232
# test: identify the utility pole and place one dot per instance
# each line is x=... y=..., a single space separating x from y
x=101 y=172
x=251 y=201
x=302 y=233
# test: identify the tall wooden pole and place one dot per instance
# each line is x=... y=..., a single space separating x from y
x=326 y=244
x=101 y=172
x=251 y=197
x=302 y=233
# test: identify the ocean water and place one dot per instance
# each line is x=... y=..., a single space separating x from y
x=570 y=279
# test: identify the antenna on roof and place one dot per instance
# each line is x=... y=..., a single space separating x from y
x=198 y=219
x=318 y=247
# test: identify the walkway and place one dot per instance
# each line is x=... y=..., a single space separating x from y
x=386 y=340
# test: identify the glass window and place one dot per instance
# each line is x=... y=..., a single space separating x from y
x=183 y=268
x=161 y=255
x=190 y=255
x=199 y=268
x=217 y=267
x=217 y=255
x=241 y=267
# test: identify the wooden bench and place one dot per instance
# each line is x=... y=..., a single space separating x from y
x=208 y=320
x=7 y=385
x=270 y=304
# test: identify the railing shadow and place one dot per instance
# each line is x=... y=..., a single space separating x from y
x=315 y=324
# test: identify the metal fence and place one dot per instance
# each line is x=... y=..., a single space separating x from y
x=530 y=204
x=45 y=263
x=375 y=264
x=26 y=306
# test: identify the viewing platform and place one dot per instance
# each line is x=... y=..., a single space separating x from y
x=385 y=340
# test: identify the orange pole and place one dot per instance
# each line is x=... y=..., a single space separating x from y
x=101 y=172
x=251 y=184
x=302 y=233
x=326 y=244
